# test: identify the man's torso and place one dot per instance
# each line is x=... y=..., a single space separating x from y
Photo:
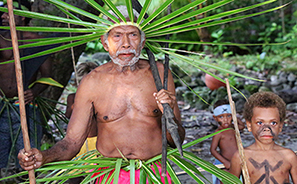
x=127 y=114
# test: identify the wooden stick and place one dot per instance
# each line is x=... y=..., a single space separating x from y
x=19 y=78
x=237 y=135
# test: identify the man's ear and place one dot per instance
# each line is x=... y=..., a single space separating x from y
x=103 y=43
x=143 y=43
x=249 y=126
x=281 y=126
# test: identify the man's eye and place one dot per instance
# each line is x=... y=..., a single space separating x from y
x=229 y=115
x=273 y=123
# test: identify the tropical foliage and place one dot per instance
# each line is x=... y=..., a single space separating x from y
x=87 y=165
x=155 y=28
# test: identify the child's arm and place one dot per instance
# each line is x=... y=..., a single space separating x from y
x=293 y=172
x=241 y=125
x=214 y=152
x=235 y=167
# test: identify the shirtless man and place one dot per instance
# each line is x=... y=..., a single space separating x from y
x=225 y=140
x=8 y=88
x=267 y=162
x=123 y=98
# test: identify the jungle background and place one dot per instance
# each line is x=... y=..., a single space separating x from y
x=276 y=64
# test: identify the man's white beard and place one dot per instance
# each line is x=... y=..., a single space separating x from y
x=134 y=60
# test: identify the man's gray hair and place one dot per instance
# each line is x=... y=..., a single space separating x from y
x=124 y=12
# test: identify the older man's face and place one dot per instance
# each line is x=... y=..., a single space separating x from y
x=124 y=45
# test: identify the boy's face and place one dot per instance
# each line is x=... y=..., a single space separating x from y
x=265 y=124
x=224 y=120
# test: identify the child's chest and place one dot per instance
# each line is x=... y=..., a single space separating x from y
x=268 y=168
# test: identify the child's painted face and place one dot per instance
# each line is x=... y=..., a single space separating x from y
x=224 y=120
x=265 y=124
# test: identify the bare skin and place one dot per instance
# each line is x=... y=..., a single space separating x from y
x=69 y=109
x=8 y=82
x=125 y=103
x=226 y=140
x=267 y=162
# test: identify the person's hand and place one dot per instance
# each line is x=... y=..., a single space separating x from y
x=227 y=165
x=31 y=159
x=164 y=96
x=29 y=96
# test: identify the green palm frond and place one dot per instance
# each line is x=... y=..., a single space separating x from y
x=48 y=81
x=88 y=164
x=169 y=24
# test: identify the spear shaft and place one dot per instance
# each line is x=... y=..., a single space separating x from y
x=19 y=78
x=237 y=135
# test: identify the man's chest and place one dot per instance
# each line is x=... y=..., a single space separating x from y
x=121 y=99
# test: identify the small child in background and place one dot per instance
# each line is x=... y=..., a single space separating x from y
x=267 y=162
x=226 y=140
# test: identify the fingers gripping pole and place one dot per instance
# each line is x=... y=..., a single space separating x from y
x=18 y=71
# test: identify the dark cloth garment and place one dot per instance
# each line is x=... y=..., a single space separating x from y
x=11 y=137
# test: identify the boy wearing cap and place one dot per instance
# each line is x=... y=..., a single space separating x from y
x=225 y=140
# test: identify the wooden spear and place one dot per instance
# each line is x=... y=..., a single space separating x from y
x=19 y=78
x=237 y=135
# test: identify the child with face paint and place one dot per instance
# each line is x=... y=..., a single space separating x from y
x=225 y=140
x=267 y=162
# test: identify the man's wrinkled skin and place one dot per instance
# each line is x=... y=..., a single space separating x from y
x=125 y=102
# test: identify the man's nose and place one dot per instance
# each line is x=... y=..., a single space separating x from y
x=126 y=42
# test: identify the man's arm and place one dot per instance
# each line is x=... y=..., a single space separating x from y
x=215 y=153
x=235 y=167
x=77 y=132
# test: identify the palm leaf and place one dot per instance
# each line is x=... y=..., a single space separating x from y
x=189 y=15
x=50 y=51
x=172 y=15
x=143 y=10
x=172 y=174
x=151 y=174
x=78 y=11
x=224 y=176
x=102 y=10
x=115 y=10
x=130 y=10
x=117 y=171
x=187 y=167
x=142 y=176
x=48 y=81
x=55 y=18
x=156 y=13
x=190 y=26
x=132 y=171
